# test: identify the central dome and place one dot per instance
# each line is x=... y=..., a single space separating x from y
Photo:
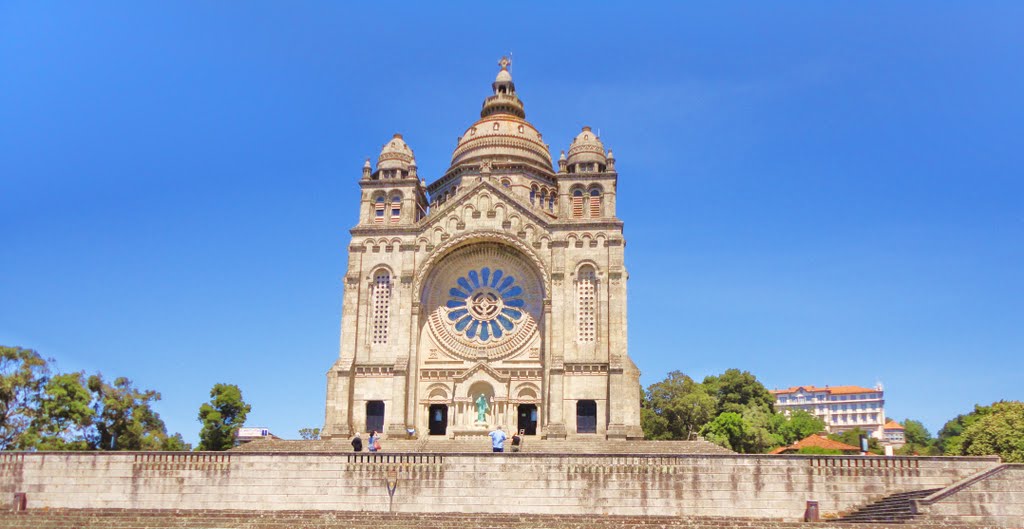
x=502 y=135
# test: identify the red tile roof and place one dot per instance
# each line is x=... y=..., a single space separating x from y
x=817 y=441
x=893 y=425
x=835 y=390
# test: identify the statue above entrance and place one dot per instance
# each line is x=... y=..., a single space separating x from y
x=481 y=409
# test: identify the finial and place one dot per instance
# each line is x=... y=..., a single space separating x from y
x=505 y=62
x=610 y=155
x=561 y=156
x=366 y=164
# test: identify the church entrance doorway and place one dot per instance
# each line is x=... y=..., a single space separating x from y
x=527 y=419
x=586 y=416
x=375 y=416
x=438 y=424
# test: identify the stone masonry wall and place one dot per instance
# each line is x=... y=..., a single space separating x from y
x=698 y=485
x=997 y=499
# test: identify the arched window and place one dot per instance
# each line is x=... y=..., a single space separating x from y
x=378 y=210
x=543 y=197
x=586 y=304
x=577 y=204
x=533 y=195
x=595 y=203
x=396 y=208
x=381 y=300
x=506 y=183
x=551 y=200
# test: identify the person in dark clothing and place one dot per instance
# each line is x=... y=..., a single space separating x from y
x=357 y=443
x=517 y=441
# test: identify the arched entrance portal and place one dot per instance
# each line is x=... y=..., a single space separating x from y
x=481 y=339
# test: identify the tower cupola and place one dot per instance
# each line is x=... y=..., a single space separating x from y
x=586 y=154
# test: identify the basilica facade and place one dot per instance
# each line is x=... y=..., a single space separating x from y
x=493 y=296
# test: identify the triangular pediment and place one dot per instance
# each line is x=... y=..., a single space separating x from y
x=480 y=366
x=498 y=194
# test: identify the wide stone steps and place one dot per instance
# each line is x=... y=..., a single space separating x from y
x=174 y=519
x=483 y=445
x=895 y=508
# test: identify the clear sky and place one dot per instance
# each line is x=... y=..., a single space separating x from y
x=819 y=193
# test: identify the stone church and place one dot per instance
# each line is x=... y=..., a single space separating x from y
x=493 y=296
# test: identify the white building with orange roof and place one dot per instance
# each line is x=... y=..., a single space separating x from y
x=841 y=407
x=895 y=434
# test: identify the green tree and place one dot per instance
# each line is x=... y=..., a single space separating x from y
x=728 y=430
x=175 y=443
x=919 y=440
x=222 y=417
x=762 y=427
x=309 y=434
x=950 y=436
x=734 y=390
x=675 y=408
x=999 y=432
x=799 y=425
x=915 y=432
x=125 y=419
x=64 y=416
x=22 y=376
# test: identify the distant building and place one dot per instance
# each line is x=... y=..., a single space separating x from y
x=817 y=441
x=895 y=434
x=246 y=434
x=841 y=407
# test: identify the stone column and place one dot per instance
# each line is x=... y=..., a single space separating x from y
x=397 y=417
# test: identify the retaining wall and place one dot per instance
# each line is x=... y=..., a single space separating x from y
x=996 y=498
x=680 y=485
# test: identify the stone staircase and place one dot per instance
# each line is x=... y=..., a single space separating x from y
x=895 y=508
x=483 y=445
x=173 y=519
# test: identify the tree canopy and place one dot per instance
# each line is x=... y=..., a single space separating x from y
x=998 y=431
x=69 y=411
x=733 y=410
x=22 y=377
x=676 y=408
x=222 y=417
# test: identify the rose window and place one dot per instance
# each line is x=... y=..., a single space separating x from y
x=486 y=305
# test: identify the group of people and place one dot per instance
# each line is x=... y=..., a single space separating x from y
x=498 y=439
x=372 y=445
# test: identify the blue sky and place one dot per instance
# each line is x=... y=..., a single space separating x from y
x=820 y=193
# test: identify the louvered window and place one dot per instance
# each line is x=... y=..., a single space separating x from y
x=378 y=211
x=381 y=300
x=595 y=203
x=396 y=208
x=586 y=305
x=577 y=204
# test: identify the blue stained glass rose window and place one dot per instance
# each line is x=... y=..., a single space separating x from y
x=485 y=304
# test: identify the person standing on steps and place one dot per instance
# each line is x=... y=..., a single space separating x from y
x=357 y=443
x=517 y=441
x=498 y=440
x=373 y=444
